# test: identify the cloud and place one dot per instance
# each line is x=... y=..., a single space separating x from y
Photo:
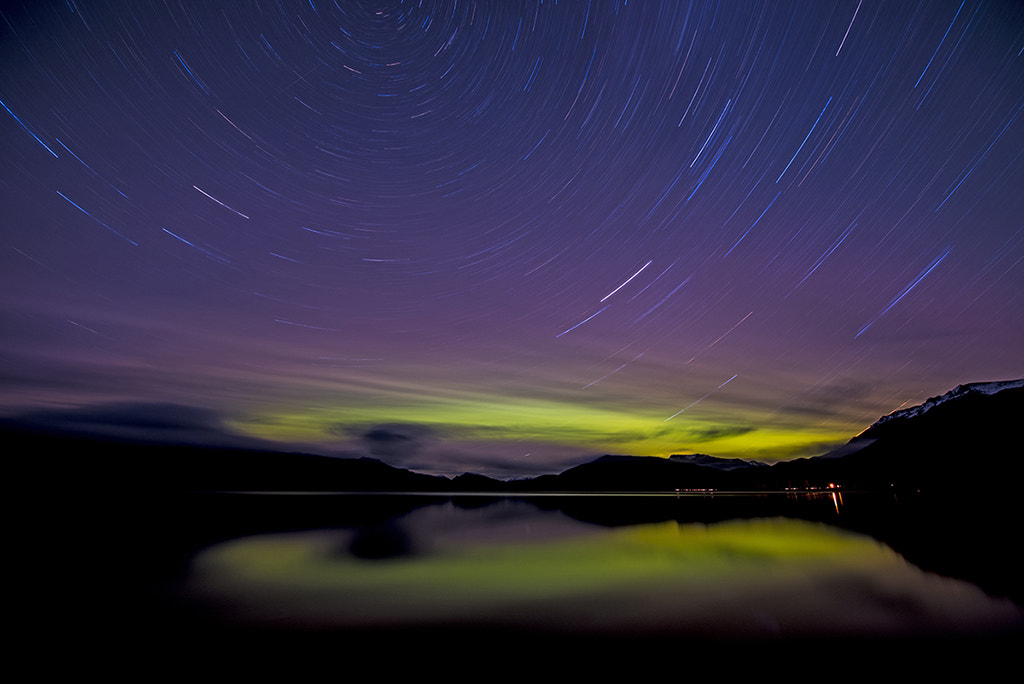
x=505 y=460
x=833 y=399
x=161 y=423
x=453 y=449
x=396 y=443
x=710 y=434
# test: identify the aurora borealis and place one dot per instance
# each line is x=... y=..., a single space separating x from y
x=763 y=578
x=502 y=236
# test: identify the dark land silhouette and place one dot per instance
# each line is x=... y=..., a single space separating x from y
x=972 y=440
x=938 y=486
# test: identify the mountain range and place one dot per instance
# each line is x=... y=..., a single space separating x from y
x=968 y=437
x=127 y=517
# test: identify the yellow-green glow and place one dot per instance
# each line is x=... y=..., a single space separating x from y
x=743 y=576
x=640 y=431
x=291 y=566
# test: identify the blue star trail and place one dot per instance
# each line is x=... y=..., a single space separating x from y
x=548 y=224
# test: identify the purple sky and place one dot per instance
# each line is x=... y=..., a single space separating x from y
x=506 y=236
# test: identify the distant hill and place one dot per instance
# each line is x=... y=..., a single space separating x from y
x=968 y=437
x=716 y=462
x=629 y=473
x=72 y=461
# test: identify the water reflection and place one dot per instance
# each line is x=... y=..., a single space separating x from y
x=512 y=564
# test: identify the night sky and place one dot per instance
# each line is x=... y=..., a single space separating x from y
x=504 y=237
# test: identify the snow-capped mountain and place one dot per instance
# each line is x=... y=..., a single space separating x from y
x=961 y=391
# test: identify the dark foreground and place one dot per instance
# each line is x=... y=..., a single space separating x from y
x=107 y=577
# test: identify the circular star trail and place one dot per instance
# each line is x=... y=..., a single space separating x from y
x=505 y=236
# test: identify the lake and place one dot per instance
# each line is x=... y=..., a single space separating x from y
x=741 y=568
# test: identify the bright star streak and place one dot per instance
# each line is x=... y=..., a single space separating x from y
x=221 y=203
x=68 y=199
x=579 y=324
x=721 y=337
x=28 y=130
x=702 y=398
x=848 y=28
x=627 y=281
x=906 y=290
x=805 y=141
x=607 y=375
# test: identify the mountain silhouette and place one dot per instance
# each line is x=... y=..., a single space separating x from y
x=935 y=480
x=968 y=437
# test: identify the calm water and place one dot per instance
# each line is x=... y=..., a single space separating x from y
x=741 y=567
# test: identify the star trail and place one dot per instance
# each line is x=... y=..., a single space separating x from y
x=505 y=237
